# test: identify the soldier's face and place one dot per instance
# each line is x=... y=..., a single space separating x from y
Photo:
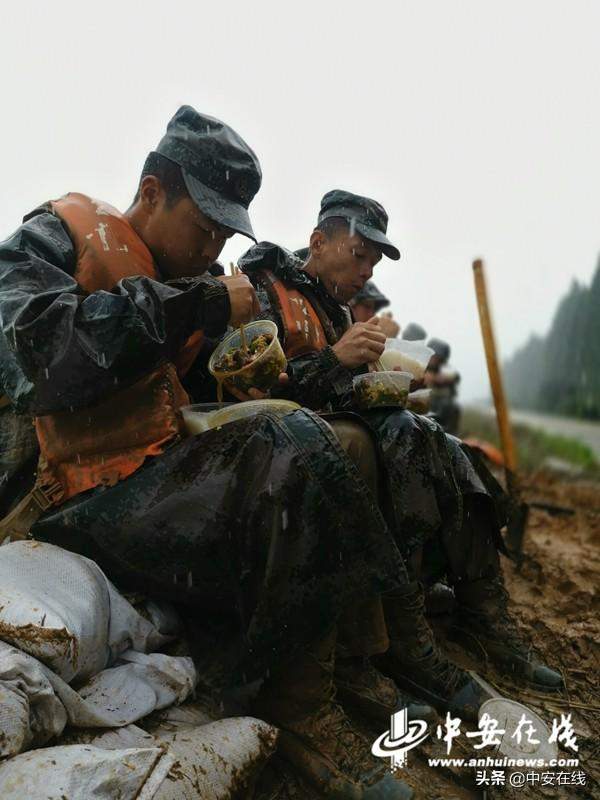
x=183 y=241
x=346 y=263
x=188 y=241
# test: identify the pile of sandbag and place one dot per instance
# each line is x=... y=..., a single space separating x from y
x=75 y=656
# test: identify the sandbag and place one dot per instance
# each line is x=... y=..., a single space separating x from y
x=36 y=704
x=82 y=772
x=60 y=608
x=30 y=712
x=217 y=761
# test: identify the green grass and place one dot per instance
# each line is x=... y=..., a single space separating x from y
x=533 y=445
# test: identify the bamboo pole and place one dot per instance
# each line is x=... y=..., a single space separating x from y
x=491 y=355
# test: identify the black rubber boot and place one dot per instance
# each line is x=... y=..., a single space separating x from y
x=415 y=662
x=317 y=738
x=360 y=685
x=484 y=615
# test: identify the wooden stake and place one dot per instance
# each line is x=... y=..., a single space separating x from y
x=489 y=343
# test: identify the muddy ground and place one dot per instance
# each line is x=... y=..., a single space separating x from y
x=555 y=597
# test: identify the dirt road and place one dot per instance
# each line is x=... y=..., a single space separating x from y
x=587 y=433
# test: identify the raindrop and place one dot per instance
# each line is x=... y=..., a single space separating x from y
x=46 y=373
x=190 y=580
x=284 y=519
x=226 y=174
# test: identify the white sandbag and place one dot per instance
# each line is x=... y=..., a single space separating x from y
x=60 y=608
x=217 y=761
x=35 y=704
x=30 y=712
x=81 y=772
x=140 y=684
x=212 y=762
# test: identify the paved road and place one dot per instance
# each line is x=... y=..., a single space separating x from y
x=586 y=432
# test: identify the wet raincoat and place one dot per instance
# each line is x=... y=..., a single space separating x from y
x=263 y=528
x=430 y=481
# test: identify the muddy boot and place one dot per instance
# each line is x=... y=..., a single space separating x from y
x=439 y=600
x=416 y=663
x=484 y=615
x=316 y=736
x=361 y=686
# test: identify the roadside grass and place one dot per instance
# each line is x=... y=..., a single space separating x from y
x=534 y=445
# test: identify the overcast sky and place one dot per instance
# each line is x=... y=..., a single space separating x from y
x=476 y=124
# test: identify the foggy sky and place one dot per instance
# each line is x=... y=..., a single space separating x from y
x=476 y=124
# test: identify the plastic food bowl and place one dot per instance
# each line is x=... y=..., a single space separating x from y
x=419 y=401
x=263 y=372
x=379 y=389
x=407 y=356
x=204 y=416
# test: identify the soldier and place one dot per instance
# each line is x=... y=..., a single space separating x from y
x=368 y=302
x=262 y=529
x=445 y=517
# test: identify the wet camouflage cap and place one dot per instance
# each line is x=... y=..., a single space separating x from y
x=440 y=348
x=370 y=294
x=221 y=172
x=367 y=216
x=414 y=332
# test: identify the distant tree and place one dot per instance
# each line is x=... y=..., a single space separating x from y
x=560 y=373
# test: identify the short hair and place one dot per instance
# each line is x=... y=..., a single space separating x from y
x=331 y=226
x=169 y=175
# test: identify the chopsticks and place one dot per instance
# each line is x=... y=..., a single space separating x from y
x=235 y=271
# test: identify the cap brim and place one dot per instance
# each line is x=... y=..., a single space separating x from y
x=218 y=208
x=379 y=238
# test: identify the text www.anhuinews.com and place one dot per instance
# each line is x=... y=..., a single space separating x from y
x=490 y=761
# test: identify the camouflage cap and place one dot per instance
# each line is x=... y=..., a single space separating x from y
x=221 y=172
x=440 y=348
x=366 y=216
x=370 y=294
x=414 y=332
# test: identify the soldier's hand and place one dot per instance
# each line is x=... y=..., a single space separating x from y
x=389 y=325
x=257 y=394
x=362 y=344
x=242 y=299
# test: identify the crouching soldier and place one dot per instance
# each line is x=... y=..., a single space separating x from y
x=263 y=529
x=443 y=514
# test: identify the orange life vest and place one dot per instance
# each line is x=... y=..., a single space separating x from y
x=107 y=442
x=303 y=330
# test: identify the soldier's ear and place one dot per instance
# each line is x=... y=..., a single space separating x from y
x=150 y=192
x=317 y=241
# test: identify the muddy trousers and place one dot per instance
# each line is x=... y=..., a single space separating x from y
x=362 y=629
x=468 y=554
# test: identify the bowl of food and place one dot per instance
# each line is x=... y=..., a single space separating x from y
x=256 y=365
x=380 y=389
x=420 y=401
x=205 y=416
x=406 y=356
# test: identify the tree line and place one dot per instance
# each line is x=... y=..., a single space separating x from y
x=560 y=372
